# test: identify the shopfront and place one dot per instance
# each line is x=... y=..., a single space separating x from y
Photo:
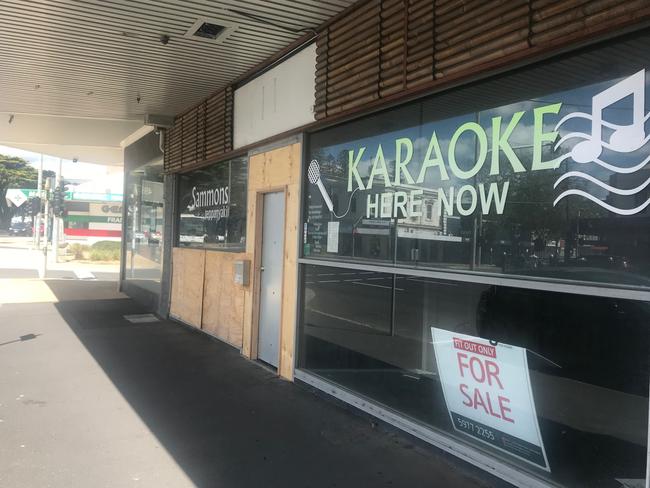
x=475 y=268
x=234 y=262
x=143 y=218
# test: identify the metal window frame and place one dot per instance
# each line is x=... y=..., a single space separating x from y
x=177 y=204
x=447 y=443
x=559 y=286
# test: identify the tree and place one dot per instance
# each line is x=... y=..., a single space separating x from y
x=15 y=172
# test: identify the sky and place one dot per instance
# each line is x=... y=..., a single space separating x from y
x=76 y=171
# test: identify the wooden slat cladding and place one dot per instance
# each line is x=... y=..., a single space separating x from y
x=353 y=56
x=201 y=134
x=384 y=47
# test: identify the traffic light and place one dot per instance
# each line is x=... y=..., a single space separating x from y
x=34 y=206
x=57 y=201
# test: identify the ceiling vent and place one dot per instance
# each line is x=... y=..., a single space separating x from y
x=210 y=30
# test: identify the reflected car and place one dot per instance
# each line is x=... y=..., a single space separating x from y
x=187 y=239
x=21 y=229
x=602 y=261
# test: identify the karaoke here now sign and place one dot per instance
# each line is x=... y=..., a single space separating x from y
x=488 y=394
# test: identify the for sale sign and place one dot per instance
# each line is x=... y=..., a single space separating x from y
x=488 y=395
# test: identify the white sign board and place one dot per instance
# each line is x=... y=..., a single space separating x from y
x=333 y=237
x=16 y=197
x=488 y=394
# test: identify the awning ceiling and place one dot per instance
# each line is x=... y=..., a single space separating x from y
x=105 y=59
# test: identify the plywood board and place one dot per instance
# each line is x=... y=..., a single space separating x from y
x=188 y=266
x=223 y=300
x=289 y=295
x=276 y=170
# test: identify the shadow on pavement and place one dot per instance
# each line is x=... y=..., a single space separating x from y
x=22 y=338
x=13 y=273
x=229 y=423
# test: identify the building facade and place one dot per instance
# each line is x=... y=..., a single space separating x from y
x=437 y=211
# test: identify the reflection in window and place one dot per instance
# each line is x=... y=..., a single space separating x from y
x=587 y=358
x=144 y=226
x=212 y=203
x=429 y=207
x=499 y=180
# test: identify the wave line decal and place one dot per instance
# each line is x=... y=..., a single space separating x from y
x=584 y=115
x=624 y=139
x=618 y=191
x=611 y=208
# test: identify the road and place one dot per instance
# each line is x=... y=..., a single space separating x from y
x=18 y=259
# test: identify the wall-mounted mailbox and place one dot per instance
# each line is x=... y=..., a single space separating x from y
x=242 y=272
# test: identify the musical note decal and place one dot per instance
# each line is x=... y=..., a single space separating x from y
x=624 y=139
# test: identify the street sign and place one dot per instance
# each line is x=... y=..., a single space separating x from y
x=16 y=197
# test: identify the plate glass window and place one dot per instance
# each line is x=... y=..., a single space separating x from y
x=537 y=174
x=144 y=226
x=542 y=175
x=212 y=206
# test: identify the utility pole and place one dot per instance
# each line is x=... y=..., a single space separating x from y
x=56 y=221
x=46 y=212
x=48 y=184
x=37 y=220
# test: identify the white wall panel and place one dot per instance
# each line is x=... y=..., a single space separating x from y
x=279 y=100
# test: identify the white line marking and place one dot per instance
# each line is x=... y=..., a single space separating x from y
x=83 y=274
x=342 y=318
x=379 y=286
x=430 y=282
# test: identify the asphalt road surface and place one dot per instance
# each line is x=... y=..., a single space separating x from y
x=18 y=259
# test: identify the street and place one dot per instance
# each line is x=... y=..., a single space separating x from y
x=18 y=259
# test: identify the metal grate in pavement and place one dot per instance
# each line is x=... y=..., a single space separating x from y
x=141 y=318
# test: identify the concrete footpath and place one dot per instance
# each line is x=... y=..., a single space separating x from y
x=88 y=399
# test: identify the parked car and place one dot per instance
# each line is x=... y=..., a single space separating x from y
x=20 y=229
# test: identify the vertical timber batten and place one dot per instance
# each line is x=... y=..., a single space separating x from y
x=201 y=134
x=448 y=40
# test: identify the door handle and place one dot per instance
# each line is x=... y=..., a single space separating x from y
x=261 y=268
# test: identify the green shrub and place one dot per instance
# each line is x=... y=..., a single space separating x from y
x=105 y=251
x=79 y=251
x=107 y=246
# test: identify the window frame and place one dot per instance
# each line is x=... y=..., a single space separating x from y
x=177 y=210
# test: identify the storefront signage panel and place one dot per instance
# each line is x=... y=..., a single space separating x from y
x=212 y=204
x=511 y=189
x=487 y=390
